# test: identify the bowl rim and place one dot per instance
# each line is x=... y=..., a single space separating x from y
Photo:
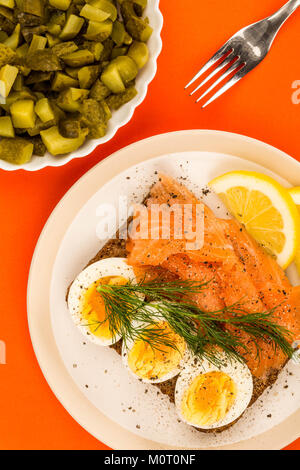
x=39 y=163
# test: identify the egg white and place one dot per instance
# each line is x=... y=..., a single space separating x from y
x=126 y=348
x=103 y=268
x=237 y=371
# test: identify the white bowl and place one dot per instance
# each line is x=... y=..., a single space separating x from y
x=120 y=117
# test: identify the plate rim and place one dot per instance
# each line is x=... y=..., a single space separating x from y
x=179 y=141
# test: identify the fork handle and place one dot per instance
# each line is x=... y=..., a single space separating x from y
x=280 y=17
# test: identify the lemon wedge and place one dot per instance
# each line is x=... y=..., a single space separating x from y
x=295 y=193
x=265 y=208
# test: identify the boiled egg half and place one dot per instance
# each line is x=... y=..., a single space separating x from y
x=85 y=303
x=154 y=365
x=209 y=396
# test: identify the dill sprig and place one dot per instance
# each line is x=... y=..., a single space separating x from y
x=206 y=333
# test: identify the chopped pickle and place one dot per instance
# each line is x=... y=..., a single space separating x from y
x=69 y=100
x=92 y=13
x=60 y=4
x=95 y=48
x=39 y=147
x=37 y=43
x=99 y=31
x=64 y=48
x=108 y=46
x=44 y=60
x=88 y=75
x=18 y=83
x=58 y=18
x=33 y=7
x=126 y=67
x=117 y=51
x=73 y=71
x=70 y=128
x=139 y=29
x=72 y=27
x=13 y=40
x=116 y=101
x=8 y=74
x=139 y=52
x=43 y=110
x=7 y=55
x=7 y=13
x=38 y=77
x=139 y=6
x=3 y=36
x=52 y=40
x=6 y=25
x=127 y=10
x=107 y=6
x=112 y=79
x=28 y=33
x=99 y=91
x=6 y=127
x=94 y=116
x=58 y=145
x=39 y=126
x=62 y=81
x=118 y=33
x=17 y=150
x=128 y=39
x=79 y=58
x=7 y=3
x=22 y=114
x=22 y=51
x=54 y=29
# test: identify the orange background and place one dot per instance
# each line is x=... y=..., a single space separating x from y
x=260 y=106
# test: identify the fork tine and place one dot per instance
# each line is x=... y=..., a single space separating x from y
x=209 y=64
x=231 y=69
x=223 y=64
x=234 y=79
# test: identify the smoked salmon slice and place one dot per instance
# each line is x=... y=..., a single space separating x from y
x=169 y=192
x=272 y=284
x=187 y=269
x=237 y=271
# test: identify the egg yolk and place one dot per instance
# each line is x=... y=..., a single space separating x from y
x=208 y=399
x=92 y=307
x=152 y=364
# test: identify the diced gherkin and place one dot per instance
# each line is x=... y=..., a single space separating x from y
x=6 y=127
x=58 y=145
x=92 y=13
x=7 y=3
x=17 y=150
x=44 y=110
x=8 y=74
x=139 y=52
x=79 y=58
x=72 y=27
x=60 y=4
x=99 y=31
x=116 y=101
x=6 y=54
x=22 y=114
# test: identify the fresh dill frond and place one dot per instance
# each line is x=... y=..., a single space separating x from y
x=207 y=334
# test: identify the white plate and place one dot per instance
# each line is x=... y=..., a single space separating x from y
x=69 y=240
x=120 y=117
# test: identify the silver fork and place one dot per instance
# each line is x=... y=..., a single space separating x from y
x=243 y=52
